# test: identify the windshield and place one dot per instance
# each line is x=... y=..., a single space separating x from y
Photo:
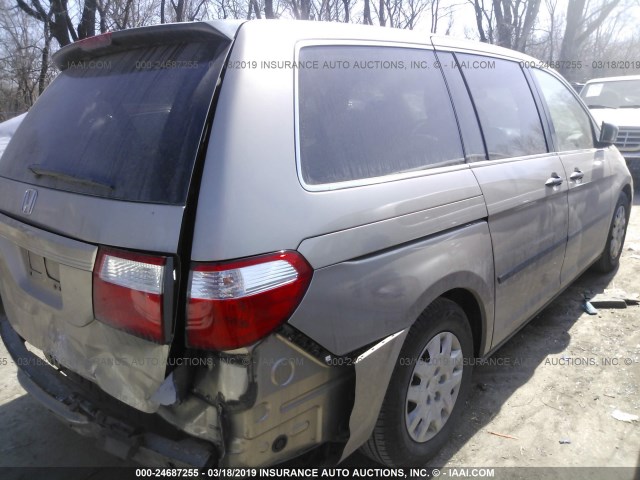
x=125 y=125
x=614 y=94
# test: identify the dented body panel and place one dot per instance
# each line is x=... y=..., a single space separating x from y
x=55 y=295
x=385 y=292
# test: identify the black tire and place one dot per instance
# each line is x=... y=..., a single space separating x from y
x=391 y=442
x=610 y=257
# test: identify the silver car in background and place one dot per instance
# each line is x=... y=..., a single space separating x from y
x=227 y=244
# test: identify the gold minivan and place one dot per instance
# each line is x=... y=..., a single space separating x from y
x=236 y=242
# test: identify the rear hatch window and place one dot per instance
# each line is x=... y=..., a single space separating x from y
x=124 y=125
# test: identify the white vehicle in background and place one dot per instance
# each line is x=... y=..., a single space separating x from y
x=617 y=100
x=6 y=131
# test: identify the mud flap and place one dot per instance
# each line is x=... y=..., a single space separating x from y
x=373 y=372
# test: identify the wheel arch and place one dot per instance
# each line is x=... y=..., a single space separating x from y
x=473 y=292
x=470 y=304
x=443 y=316
x=628 y=191
x=474 y=295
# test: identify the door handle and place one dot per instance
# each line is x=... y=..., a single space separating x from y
x=554 y=180
x=576 y=175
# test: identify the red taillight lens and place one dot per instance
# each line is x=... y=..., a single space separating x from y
x=235 y=304
x=128 y=292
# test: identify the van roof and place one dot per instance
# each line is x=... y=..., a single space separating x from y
x=293 y=29
x=300 y=29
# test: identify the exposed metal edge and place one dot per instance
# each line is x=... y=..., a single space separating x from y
x=373 y=368
x=43 y=382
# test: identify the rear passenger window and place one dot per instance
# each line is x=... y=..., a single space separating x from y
x=571 y=123
x=372 y=111
x=508 y=114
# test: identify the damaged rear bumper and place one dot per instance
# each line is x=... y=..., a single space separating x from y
x=264 y=407
x=123 y=439
x=267 y=406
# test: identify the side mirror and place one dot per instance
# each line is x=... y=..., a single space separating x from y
x=608 y=134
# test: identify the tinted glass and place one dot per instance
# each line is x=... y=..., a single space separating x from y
x=508 y=114
x=465 y=112
x=124 y=126
x=375 y=113
x=570 y=122
x=612 y=94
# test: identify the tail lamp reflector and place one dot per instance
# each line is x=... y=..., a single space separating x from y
x=235 y=304
x=128 y=292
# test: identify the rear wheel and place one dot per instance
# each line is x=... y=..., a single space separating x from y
x=428 y=387
x=610 y=257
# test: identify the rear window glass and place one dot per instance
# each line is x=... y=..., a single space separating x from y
x=124 y=126
x=373 y=111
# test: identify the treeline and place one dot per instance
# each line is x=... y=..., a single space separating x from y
x=580 y=38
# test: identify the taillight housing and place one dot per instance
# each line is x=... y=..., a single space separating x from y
x=128 y=292
x=235 y=304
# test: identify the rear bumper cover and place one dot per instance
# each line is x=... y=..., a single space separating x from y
x=318 y=408
x=120 y=438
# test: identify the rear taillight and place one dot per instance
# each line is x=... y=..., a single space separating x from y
x=235 y=304
x=128 y=292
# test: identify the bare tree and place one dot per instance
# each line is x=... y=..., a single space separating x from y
x=402 y=13
x=118 y=14
x=268 y=9
x=582 y=20
x=229 y=9
x=300 y=9
x=412 y=10
x=440 y=10
x=552 y=7
x=24 y=60
x=366 y=16
x=59 y=21
x=484 y=20
x=514 y=21
x=605 y=44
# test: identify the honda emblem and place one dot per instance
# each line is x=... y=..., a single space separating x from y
x=29 y=200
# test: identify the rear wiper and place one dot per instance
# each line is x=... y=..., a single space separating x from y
x=38 y=171
x=599 y=106
x=629 y=106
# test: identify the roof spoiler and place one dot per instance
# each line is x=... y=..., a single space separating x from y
x=113 y=42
